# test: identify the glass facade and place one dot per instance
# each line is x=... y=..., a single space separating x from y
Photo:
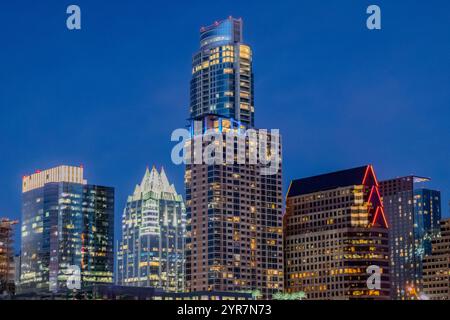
x=151 y=253
x=427 y=215
x=66 y=224
x=413 y=214
x=222 y=76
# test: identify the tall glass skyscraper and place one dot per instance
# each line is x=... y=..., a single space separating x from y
x=151 y=253
x=66 y=224
x=233 y=212
x=222 y=77
x=413 y=215
x=427 y=212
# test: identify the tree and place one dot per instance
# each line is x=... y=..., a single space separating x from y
x=289 y=296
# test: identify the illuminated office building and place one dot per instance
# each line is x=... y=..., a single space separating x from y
x=233 y=212
x=427 y=213
x=7 y=267
x=151 y=253
x=436 y=266
x=66 y=224
x=413 y=215
x=334 y=229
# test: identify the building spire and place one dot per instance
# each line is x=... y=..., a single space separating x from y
x=154 y=181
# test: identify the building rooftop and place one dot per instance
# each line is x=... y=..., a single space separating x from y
x=156 y=183
x=63 y=173
x=226 y=31
x=328 y=181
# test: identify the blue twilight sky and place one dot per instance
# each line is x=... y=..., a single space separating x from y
x=109 y=96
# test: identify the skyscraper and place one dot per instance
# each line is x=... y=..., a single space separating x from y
x=335 y=228
x=7 y=267
x=436 y=266
x=67 y=225
x=151 y=253
x=222 y=76
x=233 y=212
x=413 y=215
x=427 y=214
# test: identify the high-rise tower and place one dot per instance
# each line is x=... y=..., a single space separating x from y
x=413 y=214
x=335 y=228
x=233 y=212
x=222 y=77
x=67 y=225
x=151 y=253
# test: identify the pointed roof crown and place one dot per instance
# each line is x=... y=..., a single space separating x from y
x=156 y=182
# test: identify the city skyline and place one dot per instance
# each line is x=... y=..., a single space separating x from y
x=306 y=147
